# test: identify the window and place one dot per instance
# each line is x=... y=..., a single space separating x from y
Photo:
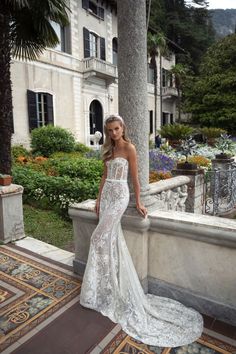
x=63 y=34
x=150 y=73
x=170 y=80
x=94 y=46
x=93 y=8
x=150 y=122
x=40 y=109
x=164 y=118
x=114 y=51
x=167 y=78
x=164 y=77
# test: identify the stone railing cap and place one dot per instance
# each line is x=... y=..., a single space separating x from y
x=12 y=188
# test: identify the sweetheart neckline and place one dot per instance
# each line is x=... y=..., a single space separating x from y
x=118 y=157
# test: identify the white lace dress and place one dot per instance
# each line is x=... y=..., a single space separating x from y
x=111 y=285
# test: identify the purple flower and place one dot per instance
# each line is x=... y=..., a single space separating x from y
x=160 y=162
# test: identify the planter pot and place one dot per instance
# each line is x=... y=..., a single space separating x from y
x=186 y=166
x=211 y=141
x=5 y=180
x=223 y=156
x=175 y=143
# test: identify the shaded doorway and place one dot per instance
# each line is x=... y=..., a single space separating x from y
x=95 y=118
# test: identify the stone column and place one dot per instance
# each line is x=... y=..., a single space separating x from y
x=132 y=87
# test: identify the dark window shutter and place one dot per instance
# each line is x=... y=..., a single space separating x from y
x=102 y=49
x=85 y=4
x=50 y=109
x=101 y=13
x=32 y=109
x=151 y=122
x=86 y=43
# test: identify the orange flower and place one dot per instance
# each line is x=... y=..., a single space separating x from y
x=155 y=176
x=40 y=159
x=21 y=159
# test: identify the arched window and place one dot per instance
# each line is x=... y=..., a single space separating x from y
x=114 y=51
x=95 y=118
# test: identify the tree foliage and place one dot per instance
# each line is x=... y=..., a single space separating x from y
x=186 y=23
x=211 y=96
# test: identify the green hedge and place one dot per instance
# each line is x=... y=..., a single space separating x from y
x=89 y=169
x=49 y=139
x=56 y=193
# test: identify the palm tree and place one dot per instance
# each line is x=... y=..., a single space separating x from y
x=156 y=44
x=25 y=31
x=179 y=71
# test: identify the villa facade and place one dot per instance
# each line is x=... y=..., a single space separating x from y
x=75 y=85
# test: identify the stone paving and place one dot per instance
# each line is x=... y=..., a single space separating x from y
x=76 y=330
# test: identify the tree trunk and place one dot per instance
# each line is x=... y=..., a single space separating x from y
x=154 y=65
x=160 y=89
x=6 y=110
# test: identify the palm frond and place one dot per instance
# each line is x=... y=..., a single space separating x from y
x=16 y=5
x=31 y=28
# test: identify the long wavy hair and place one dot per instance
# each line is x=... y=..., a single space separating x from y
x=108 y=146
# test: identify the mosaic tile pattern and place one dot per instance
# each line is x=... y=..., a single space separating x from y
x=29 y=293
x=124 y=344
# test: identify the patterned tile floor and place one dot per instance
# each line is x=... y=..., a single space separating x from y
x=30 y=292
x=39 y=302
x=124 y=344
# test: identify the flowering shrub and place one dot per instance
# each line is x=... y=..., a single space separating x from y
x=155 y=176
x=49 y=139
x=86 y=169
x=93 y=154
x=19 y=150
x=40 y=159
x=160 y=162
x=22 y=159
x=201 y=161
x=53 y=192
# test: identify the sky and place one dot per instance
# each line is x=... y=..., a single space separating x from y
x=222 y=4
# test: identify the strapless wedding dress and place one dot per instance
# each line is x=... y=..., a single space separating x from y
x=111 y=285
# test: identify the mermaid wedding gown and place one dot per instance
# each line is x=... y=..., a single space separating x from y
x=111 y=285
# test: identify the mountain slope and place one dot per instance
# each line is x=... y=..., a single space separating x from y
x=224 y=21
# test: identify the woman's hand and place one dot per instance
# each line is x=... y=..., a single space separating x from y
x=97 y=207
x=142 y=210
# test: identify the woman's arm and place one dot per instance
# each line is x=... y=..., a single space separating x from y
x=132 y=157
x=104 y=176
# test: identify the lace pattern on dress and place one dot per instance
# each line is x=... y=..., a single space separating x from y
x=111 y=285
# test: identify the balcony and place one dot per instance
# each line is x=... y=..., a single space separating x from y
x=169 y=92
x=93 y=67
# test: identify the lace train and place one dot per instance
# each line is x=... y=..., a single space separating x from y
x=111 y=285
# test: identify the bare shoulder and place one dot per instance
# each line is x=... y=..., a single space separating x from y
x=131 y=150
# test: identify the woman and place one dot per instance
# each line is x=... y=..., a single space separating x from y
x=110 y=284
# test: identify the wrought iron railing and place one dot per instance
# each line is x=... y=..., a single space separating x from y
x=220 y=190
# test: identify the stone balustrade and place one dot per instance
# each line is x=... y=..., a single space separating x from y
x=171 y=194
x=185 y=256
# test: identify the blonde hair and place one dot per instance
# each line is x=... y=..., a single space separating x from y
x=108 y=146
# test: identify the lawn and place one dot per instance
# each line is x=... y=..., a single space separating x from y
x=48 y=226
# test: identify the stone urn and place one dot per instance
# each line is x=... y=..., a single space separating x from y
x=175 y=143
x=223 y=156
x=186 y=166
